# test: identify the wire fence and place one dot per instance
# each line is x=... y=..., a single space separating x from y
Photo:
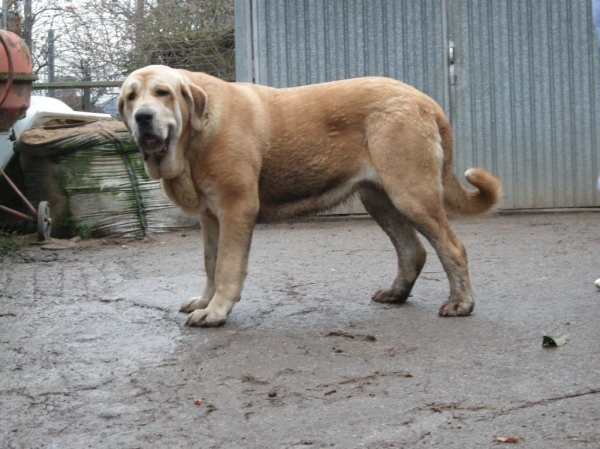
x=101 y=41
x=78 y=95
x=82 y=51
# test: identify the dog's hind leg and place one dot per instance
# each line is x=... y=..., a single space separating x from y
x=425 y=210
x=410 y=251
x=210 y=236
x=411 y=178
x=453 y=256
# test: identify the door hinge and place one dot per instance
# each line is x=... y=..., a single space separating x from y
x=451 y=63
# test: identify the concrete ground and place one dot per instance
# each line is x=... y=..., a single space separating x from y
x=93 y=351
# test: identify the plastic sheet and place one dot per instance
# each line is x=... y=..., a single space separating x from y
x=94 y=179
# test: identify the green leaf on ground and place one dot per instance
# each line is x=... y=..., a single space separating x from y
x=551 y=342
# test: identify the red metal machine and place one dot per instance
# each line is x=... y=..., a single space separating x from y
x=16 y=78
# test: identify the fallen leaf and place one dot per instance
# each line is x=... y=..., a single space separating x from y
x=550 y=342
x=198 y=401
x=508 y=440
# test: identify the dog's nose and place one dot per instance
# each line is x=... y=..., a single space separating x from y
x=144 y=117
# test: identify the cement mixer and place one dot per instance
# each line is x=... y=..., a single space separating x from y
x=16 y=78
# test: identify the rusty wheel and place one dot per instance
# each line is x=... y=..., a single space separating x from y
x=44 y=221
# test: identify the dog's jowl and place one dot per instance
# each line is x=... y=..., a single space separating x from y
x=238 y=154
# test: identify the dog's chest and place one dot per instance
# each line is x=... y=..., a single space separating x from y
x=182 y=192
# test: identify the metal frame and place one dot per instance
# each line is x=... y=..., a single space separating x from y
x=41 y=216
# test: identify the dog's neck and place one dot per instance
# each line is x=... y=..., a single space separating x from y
x=182 y=192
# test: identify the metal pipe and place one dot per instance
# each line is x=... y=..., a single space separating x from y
x=4 y=14
x=51 y=61
x=76 y=85
x=87 y=94
x=28 y=23
x=16 y=189
x=17 y=213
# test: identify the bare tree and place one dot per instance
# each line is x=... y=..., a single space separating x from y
x=103 y=40
x=197 y=35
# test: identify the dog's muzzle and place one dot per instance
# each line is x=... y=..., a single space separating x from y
x=147 y=139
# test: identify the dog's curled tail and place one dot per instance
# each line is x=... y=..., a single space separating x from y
x=460 y=201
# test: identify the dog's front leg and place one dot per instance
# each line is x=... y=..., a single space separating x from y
x=210 y=236
x=235 y=234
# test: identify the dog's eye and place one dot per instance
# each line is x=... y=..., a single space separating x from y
x=162 y=93
x=131 y=96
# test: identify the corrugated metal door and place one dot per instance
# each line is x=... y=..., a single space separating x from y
x=295 y=43
x=522 y=92
x=525 y=101
x=305 y=42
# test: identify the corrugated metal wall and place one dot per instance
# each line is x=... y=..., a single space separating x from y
x=330 y=40
x=523 y=94
x=526 y=103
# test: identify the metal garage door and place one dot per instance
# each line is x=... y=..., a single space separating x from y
x=522 y=90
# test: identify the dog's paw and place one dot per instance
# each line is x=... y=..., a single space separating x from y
x=389 y=297
x=194 y=304
x=456 y=308
x=206 y=318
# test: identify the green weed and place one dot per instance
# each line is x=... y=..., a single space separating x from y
x=9 y=242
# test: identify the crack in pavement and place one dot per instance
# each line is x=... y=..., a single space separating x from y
x=526 y=405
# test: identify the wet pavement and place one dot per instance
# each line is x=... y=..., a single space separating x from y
x=93 y=352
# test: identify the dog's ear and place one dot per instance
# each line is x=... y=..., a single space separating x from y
x=196 y=100
x=121 y=105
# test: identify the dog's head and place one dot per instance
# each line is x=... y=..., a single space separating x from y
x=162 y=109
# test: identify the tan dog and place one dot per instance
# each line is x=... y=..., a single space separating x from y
x=238 y=154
